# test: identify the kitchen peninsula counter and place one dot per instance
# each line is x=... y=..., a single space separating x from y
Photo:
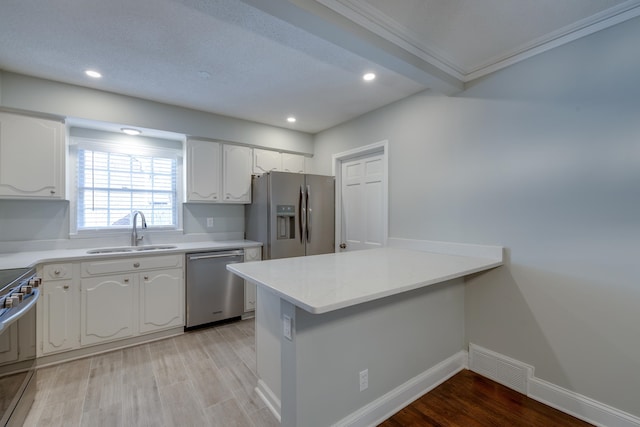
x=394 y=315
x=323 y=283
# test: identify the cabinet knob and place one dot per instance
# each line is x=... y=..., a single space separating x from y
x=136 y=264
x=126 y=280
x=56 y=272
x=146 y=277
x=65 y=287
x=53 y=192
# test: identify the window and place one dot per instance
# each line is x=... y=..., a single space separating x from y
x=113 y=180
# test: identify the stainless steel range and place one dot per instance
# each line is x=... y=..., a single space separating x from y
x=18 y=295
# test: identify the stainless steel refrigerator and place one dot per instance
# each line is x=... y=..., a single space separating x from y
x=292 y=214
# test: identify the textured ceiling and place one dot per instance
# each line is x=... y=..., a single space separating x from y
x=263 y=60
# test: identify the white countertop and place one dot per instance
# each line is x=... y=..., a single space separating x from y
x=323 y=283
x=31 y=258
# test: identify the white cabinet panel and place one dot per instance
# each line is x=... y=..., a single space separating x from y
x=237 y=174
x=266 y=161
x=58 y=309
x=107 y=309
x=9 y=344
x=60 y=304
x=204 y=163
x=293 y=163
x=32 y=157
x=218 y=173
x=269 y=160
x=161 y=300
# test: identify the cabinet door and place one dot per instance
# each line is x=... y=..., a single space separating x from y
x=250 y=254
x=32 y=157
x=237 y=174
x=161 y=300
x=9 y=344
x=292 y=163
x=107 y=309
x=266 y=161
x=203 y=171
x=60 y=316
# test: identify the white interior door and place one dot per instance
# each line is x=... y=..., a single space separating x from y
x=362 y=214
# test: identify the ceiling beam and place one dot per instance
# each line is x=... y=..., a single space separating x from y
x=323 y=22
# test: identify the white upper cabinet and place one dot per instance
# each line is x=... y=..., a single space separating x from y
x=293 y=163
x=218 y=173
x=236 y=169
x=269 y=160
x=32 y=157
x=266 y=161
x=203 y=171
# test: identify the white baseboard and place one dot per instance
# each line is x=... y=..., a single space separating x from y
x=520 y=377
x=580 y=406
x=269 y=398
x=382 y=408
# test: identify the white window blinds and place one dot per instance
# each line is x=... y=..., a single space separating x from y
x=113 y=181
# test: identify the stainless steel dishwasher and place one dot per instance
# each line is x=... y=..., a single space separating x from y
x=213 y=293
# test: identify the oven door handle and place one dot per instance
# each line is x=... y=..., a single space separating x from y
x=15 y=313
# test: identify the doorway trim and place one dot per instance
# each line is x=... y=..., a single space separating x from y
x=377 y=148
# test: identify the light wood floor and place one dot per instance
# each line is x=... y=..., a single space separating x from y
x=207 y=378
x=202 y=378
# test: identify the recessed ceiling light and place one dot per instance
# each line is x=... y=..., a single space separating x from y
x=130 y=131
x=291 y=119
x=93 y=73
x=368 y=77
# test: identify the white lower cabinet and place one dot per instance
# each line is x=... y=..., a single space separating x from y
x=127 y=297
x=60 y=322
x=107 y=309
x=161 y=300
x=58 y=310
x=251 y=254
x=94 y=302
x=9 y=344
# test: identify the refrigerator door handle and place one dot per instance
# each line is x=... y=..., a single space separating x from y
x=302 y=214
x=308 y=204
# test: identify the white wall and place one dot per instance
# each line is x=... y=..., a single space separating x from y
x=49 y=220
x=45 y=96
x=543 y=158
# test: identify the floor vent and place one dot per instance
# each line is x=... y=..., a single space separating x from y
x=506 y=371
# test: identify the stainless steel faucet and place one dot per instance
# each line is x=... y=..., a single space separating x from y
x=134 y=231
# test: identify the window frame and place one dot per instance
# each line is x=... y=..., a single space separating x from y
x=130 y=146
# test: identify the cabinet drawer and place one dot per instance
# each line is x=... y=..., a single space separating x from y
x=130 y=264
x=56 y=271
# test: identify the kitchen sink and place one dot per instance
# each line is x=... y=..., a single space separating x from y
x=125 y=249
x=153 y=247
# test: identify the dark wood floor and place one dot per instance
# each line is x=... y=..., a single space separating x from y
x=470 y=400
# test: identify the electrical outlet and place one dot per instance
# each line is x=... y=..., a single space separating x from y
x=286 y=327
x=209 y=222
x=364 y=380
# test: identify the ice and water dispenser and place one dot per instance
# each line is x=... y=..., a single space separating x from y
x=286 y=221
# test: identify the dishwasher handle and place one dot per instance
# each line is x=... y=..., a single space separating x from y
x=196 y=257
